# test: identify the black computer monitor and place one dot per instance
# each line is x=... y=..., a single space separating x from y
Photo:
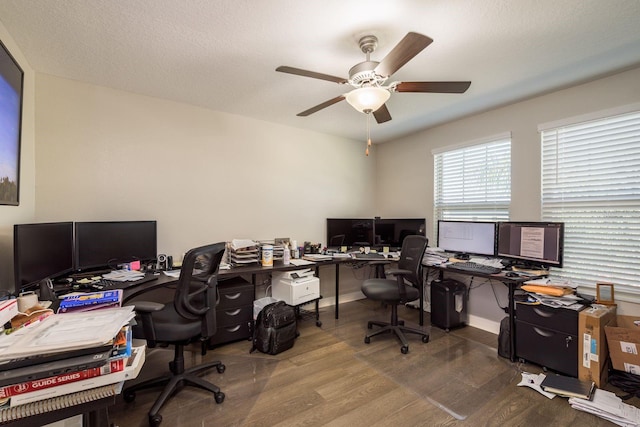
x=107 y=244
x=41 y=251
x=349 y=232
x=390 y=232
x=467 y=237
x=532 y=244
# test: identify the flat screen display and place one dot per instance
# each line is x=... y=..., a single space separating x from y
x=392 y=231
x=41 y=251
x=107 y=244
x=349 y=232
x=467 y=237
x=11 y=85
x=534 y=243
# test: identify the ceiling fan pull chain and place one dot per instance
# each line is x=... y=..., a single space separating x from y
x=368 y=133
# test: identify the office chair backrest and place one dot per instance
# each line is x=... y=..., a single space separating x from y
x=195 y=297
x=411 y=255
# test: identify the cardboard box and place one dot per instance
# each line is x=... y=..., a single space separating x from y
x=593 y=351
x=624 y=344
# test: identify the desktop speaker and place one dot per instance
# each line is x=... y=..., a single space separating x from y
x=162 y=262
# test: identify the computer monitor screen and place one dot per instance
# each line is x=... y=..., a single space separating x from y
x=532 y=243
x=107 y=244
x=467 y=237
x=392 y=231
x=349 y=232
x=41 y=251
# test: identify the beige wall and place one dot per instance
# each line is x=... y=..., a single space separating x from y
x=205 y=176
x=408 y=162
x=25 y=212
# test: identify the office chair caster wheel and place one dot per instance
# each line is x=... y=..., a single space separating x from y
x=129 y=396
x=318 y=323
x=369 y=325
x=221 y=368
x=367 y=340
x=425 y=339
x=155 y=420
x=219 y=397
x=404 y=349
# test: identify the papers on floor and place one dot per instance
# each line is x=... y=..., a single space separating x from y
x=534 y=381
x=608 y=406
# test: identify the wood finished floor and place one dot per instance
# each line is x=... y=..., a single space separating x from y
x=332 y=378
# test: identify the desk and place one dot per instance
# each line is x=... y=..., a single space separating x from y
x=511 y=282
x=253 y=270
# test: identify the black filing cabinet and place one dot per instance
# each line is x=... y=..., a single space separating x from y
x=548 y=337
x=234 y=311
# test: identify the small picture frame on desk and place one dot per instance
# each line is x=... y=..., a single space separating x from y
x=605 y=294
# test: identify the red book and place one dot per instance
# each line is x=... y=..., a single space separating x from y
x=115 y=365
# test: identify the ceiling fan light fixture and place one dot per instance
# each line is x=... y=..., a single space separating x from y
x=368 y=99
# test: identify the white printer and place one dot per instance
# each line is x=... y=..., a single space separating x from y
x=295 y=287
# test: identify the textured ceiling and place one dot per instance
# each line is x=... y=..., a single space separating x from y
x=222 y=54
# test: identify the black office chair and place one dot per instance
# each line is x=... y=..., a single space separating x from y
x=405 y=287
x=191 y=318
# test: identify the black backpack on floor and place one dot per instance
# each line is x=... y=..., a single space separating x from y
x=275 y=329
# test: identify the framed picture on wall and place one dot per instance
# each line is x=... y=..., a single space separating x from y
x=11 y=85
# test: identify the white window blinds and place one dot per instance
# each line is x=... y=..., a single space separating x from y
x=473 y=182
x=591 y=182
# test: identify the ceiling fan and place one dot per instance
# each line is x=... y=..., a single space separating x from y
x=368 y=78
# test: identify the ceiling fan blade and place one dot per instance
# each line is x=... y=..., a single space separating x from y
x=321 y=106
x=411 y=45
x=382 y=114
x=312 y=74
x=434 y=87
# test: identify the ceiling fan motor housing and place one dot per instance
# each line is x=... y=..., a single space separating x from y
x=363 y=74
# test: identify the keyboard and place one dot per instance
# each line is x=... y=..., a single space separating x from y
x=115 y=284
x=473 y=267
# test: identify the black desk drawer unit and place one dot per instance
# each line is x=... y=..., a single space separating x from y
x=234 y=312
x=548 y=337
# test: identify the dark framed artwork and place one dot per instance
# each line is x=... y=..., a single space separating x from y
x=11 y=85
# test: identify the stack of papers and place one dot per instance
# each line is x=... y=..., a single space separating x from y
x=608 y=406
x=124 y=275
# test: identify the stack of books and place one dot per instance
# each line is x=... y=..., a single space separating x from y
x=90 y=301
x=568 y=386
x=66 y=360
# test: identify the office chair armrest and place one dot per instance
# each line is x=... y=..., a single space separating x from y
x=143 y=310
x=146 y=306
x=397 y=272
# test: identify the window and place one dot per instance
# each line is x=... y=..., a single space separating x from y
x=591 y=182
x=473 y=182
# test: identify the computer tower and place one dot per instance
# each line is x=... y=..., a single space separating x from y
x=448 y=304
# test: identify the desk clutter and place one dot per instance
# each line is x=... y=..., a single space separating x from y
x=65 y=360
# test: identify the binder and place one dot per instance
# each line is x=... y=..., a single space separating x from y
x=568 y=386
x=60 y=402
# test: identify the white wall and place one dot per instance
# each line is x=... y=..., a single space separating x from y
x=25 y=212
x=408 y=163
x=205 y=176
